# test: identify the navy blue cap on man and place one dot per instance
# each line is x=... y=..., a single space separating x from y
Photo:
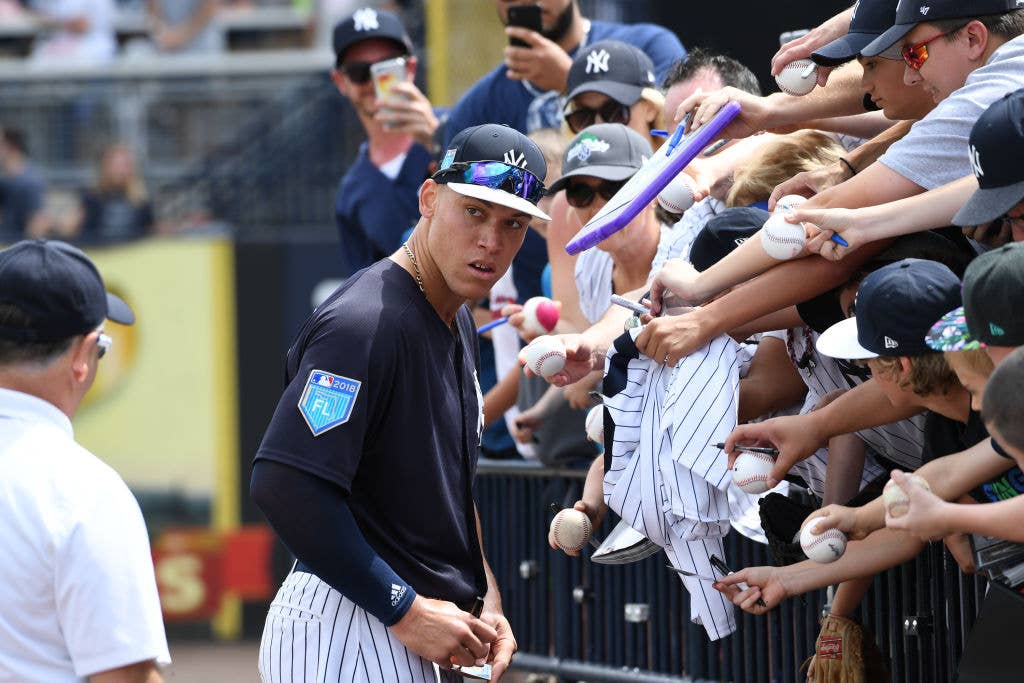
x=609 y=151
x=895 y=307
x=368 y=23
x=497 y=164
x=57 y=289
x=612 y=68
x=871 y=18
x=997 y=157
x=910 y=13
x=723 y=233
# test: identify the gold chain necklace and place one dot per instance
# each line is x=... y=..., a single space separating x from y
x=412 y=257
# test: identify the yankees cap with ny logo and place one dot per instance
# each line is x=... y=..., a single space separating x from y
x=997 y=152
x=612 y=68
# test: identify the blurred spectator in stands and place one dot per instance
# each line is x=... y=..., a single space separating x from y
x=75 y=32
x=118 y=207
x=185 y=25
x=21 y=190
x=378 y=199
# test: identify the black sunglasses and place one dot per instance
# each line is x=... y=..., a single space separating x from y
x=612 y=111
x=581 y=195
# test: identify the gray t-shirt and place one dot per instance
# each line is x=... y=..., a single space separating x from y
x=934 y=152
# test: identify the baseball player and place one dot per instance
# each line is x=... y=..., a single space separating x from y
x=366 y=469
x=78 y=598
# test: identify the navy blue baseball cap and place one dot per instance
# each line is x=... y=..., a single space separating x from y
x=609 y=151
x=896 y=307
x=723 y=233
x=870 y=19
x=997 y=148
x=618 y=70
x=910 y=13
x=368 y=23
x=58 y=289
x=497 y=164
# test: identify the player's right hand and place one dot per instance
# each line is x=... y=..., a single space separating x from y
x=839 y=517
x=792 y=435
x=439 y=631
x=765 y=583
x=580 y=360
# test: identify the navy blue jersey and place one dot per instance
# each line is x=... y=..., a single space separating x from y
x=372 y=211
x=496 y=98
x=382 y=400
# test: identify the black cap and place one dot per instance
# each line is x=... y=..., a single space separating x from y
x=368 y=23
x=997 y=150
x=495 y=142
x=612 y=68
x=609 y=151
x=992 y=287
x=910 y=13
x=870 y=19
x=896 y=306
x=58 y=288
x=723 y=233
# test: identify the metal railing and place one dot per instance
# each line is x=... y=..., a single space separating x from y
x=569 y=615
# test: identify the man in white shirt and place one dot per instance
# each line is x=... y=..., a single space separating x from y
x=78 y=598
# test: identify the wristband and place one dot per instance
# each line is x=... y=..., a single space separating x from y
x=848 y=165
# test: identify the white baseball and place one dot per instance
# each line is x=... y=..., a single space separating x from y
x=896 y=500
x=571 y=530
x=788 y=203
x=750 y=472
x=545 y=356
x=540 y=315
x=781 y=239
x=678 y=195
x=828 y=546
x=798 y=77
x=595 y=424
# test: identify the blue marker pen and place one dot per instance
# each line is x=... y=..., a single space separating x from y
x=674 y=140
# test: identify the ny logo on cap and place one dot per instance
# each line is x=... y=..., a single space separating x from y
x=597 y=61
x=890 y=343
x=976 y=162
x=513 y=158
x=365 y=19
x=924 y=10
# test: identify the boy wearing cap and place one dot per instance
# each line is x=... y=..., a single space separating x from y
x=366 y=469
x=79 y=598
x=376 y=201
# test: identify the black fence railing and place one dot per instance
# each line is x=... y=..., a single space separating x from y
x=569 y=614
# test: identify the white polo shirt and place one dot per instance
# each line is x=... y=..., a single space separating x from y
x=77 y=590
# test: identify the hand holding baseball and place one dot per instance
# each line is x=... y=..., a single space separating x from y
x=580 y=360
x=571 y=529
x=839 y=517
x=926 y=514
x=802 y=47
x=853 y=224
x=793 y=436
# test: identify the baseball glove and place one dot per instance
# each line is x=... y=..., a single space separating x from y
x=846 y=653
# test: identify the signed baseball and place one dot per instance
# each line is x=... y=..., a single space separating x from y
x=595 y=424
x=750 y=472
x=678 y=195
x=781 y=239
x=571 y=530
x=540 y=315
x=545 y=356
x=897 y=502
x=828 y=546
x=788 y=203
x=798 y=77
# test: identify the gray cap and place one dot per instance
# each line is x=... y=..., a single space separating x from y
x=609 y=151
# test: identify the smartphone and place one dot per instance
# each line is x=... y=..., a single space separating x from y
x=386 y=74
x=525 y=16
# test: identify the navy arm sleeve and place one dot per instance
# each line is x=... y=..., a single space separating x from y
x=305 y=510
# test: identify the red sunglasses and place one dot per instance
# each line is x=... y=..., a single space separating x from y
x=917 y=54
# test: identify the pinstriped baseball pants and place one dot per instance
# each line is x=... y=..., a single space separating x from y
x=314 y=634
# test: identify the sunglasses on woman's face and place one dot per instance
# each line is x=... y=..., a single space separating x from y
x=611 y=111
x=581 y=195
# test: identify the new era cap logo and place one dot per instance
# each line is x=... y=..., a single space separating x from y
x=597 y=62
x=976 y=163
x=996 y=330
x=513 y=158
x=365 y=19
x=890 y=343
x=924 y=10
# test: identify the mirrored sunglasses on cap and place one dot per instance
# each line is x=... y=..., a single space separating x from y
x=495 y=175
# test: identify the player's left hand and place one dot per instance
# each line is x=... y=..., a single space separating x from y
x=543 y=63
x=502 y=647
x=926 y=515
x=669 y=338
x=765 y=583
x=407 y=110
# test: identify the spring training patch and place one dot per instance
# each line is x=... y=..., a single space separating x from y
x=327 y=400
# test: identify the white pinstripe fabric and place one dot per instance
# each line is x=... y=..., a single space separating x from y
x=664 y=479
x=314 y=634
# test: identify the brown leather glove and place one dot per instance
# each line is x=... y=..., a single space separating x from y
x=846 y=653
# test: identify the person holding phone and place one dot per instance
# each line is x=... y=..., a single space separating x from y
x=377 y=199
